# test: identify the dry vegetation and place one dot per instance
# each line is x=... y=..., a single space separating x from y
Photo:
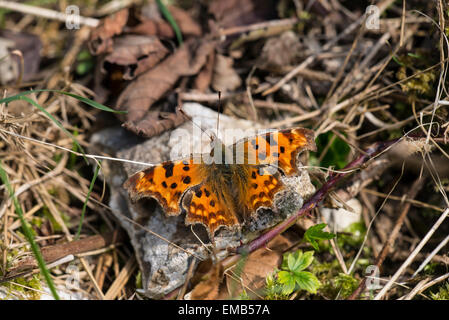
x=323 y=65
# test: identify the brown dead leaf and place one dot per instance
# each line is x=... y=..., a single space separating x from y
x=258 y=265
x=155 y=122
x=204 y=78
x=101 y=37
x=233 y=13
x=225 y=78
x=280 y=52
x=158 y=27
x=209 y=288
x=150 y=86
x=10 y=64
x=136 y=54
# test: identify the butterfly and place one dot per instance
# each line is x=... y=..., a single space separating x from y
x=227 y=186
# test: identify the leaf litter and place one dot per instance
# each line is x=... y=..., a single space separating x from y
x=304 y=63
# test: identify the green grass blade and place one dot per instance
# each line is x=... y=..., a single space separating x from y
x=91 y=187
x=167 y=15
x=87 y=101
x=23 y=96
x=29 y=235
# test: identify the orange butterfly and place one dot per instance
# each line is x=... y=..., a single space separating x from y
x=226 y=191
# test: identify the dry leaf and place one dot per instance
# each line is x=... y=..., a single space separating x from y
x=259 y=264
x=280 y=52
x=29 y=45
x=233 y=13
x=149 y=87
x=204 y=78
x=101 y=37
x=162 y=29
x=225 y=78
x=209 y=288
x=136 y=54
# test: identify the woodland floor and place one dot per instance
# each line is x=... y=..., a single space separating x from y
x=356 y=75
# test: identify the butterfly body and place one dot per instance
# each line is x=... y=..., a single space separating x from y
x=228 y=185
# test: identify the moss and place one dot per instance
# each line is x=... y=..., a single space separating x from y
x=442 y=294
x=273 y=289
x=421 y=83
x=22 y=285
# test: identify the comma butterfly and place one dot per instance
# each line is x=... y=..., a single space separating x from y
x=224 y=192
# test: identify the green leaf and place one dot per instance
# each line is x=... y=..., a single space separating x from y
x=293 y=275
x=315 y=233
x=292 y=261
x=287 y=280
x=305 y=261
x=307 y=281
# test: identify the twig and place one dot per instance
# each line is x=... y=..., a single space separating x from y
x=122 y=279
x=46 y=13
x=258 y=26
x=431 y=255
x=393 y=235
x=412 y=255
x=52 y=253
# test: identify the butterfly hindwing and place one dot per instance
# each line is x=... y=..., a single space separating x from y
x=203 y=206
x=165 y=182
x=264 y=183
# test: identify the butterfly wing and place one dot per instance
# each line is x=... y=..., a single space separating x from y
x=278 y=148
x=204 y=206
x=166 y=183
x=263 y=185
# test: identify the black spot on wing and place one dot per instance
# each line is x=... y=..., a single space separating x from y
x=187 y=180
x=168 y=167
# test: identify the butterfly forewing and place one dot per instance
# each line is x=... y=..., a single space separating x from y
x=165 y=182
x=279 y=148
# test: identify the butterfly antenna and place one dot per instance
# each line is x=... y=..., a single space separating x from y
x=188 y=118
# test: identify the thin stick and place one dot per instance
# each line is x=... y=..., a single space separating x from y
x=431 y=255
x=47 y=13
x=412 y=255
x=393 y=235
